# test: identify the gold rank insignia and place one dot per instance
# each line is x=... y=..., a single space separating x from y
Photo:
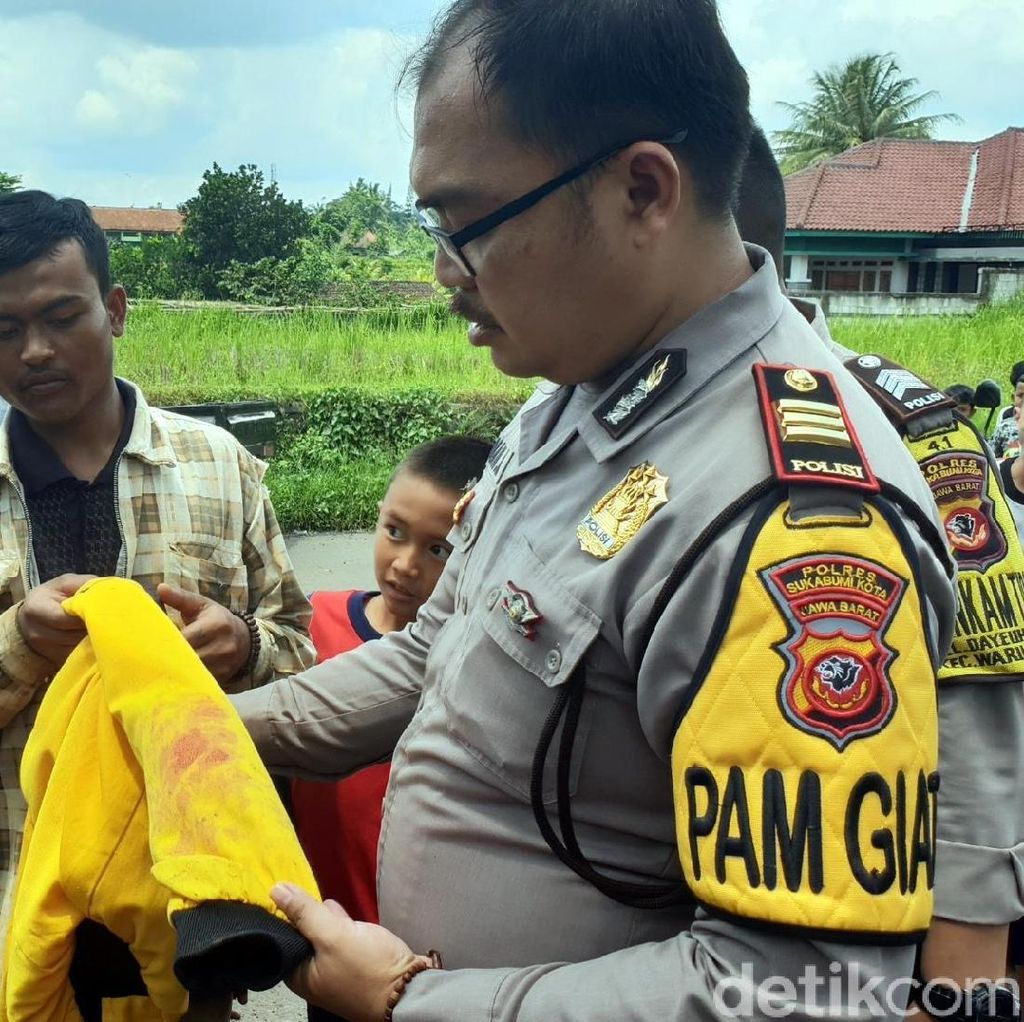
x=621 y=513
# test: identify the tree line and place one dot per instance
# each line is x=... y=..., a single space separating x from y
x=243 y=240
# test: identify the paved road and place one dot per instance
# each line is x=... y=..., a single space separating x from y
x=329 y=560
x=332 y=560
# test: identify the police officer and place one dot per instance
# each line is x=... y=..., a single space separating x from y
x=981 y=701
x=665 y=736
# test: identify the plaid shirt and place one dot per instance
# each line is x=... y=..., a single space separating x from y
x=193 y=512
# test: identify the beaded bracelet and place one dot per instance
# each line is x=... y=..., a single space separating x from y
x=414 y=970
x=254 y=641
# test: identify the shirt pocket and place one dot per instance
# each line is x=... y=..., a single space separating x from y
x=212 y=567
x=11 y=588
x=499 y=692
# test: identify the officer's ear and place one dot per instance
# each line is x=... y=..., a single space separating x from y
x=656 y=186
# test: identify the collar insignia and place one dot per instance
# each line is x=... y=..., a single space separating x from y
x=620 y=514
x=460 y=508
x=640 y=390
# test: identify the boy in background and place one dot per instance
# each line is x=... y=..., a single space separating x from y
x=339 y=823
x=964 y=398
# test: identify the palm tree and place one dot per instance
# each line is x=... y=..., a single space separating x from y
x=9 y=183
x=865 y=98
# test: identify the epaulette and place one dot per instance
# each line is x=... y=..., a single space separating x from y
x=640 y=390
x=903 y=396
x=810 y=436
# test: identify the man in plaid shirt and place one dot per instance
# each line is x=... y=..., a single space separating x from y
x=95 y=482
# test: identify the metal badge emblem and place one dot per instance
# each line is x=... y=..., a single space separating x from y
x=620 y=514
x=460 y=508
x=520 y=610
x=801 y=380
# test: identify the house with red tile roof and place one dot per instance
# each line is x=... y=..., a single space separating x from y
x=903 y=216
x=128 y=224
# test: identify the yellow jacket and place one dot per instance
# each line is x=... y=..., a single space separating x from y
x=146 y=800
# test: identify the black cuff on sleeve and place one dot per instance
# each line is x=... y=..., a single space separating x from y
x=228 y=946
x=1006 y=474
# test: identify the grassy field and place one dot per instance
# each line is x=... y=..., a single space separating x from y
x=182 y=357
x=945 y=350
x=179 y=357
x=318 y=482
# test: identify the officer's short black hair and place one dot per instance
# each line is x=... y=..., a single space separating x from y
x=452 y=463
x=1016 y=373
x=961 y=394
x=34 y=224
x=576 y=76
x=760 y=207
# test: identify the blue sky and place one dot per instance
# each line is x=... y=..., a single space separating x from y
x=127 y=102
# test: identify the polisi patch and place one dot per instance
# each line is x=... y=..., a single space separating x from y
x=959 y=484
x=836 y=683
x=810 y=436
x=640 y=390
x=901 y=393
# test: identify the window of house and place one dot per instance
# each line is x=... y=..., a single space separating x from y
x=851 y=275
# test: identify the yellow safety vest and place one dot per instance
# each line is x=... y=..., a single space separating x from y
x=988 y=642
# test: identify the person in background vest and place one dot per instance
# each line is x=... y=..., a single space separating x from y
x=981 y=725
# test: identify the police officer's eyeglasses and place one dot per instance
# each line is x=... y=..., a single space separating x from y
x=452 y=242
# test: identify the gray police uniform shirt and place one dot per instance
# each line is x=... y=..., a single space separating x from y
x=979 y=874
x=461 y=698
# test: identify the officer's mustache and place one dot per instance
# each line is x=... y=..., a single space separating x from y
x=463 y=306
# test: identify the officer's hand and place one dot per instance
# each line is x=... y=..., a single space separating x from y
x=219 y=637
x=355 y=966
x=44 y=625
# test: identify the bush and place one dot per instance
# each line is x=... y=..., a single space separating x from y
x=331 y=471
x=335 y=495
x=155 y=268
x=352 y=422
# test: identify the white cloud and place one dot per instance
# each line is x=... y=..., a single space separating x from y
x=96 y=110
x=123 y=116
x=152 y=80
x=966 y=50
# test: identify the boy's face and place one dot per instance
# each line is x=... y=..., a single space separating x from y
x=410 y=549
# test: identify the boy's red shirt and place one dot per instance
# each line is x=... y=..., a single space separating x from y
x=339 y=823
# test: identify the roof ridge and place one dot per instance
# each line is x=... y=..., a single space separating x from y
x=141 y=209
x=811 y=194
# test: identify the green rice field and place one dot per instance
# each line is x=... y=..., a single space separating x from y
x=219 y=354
